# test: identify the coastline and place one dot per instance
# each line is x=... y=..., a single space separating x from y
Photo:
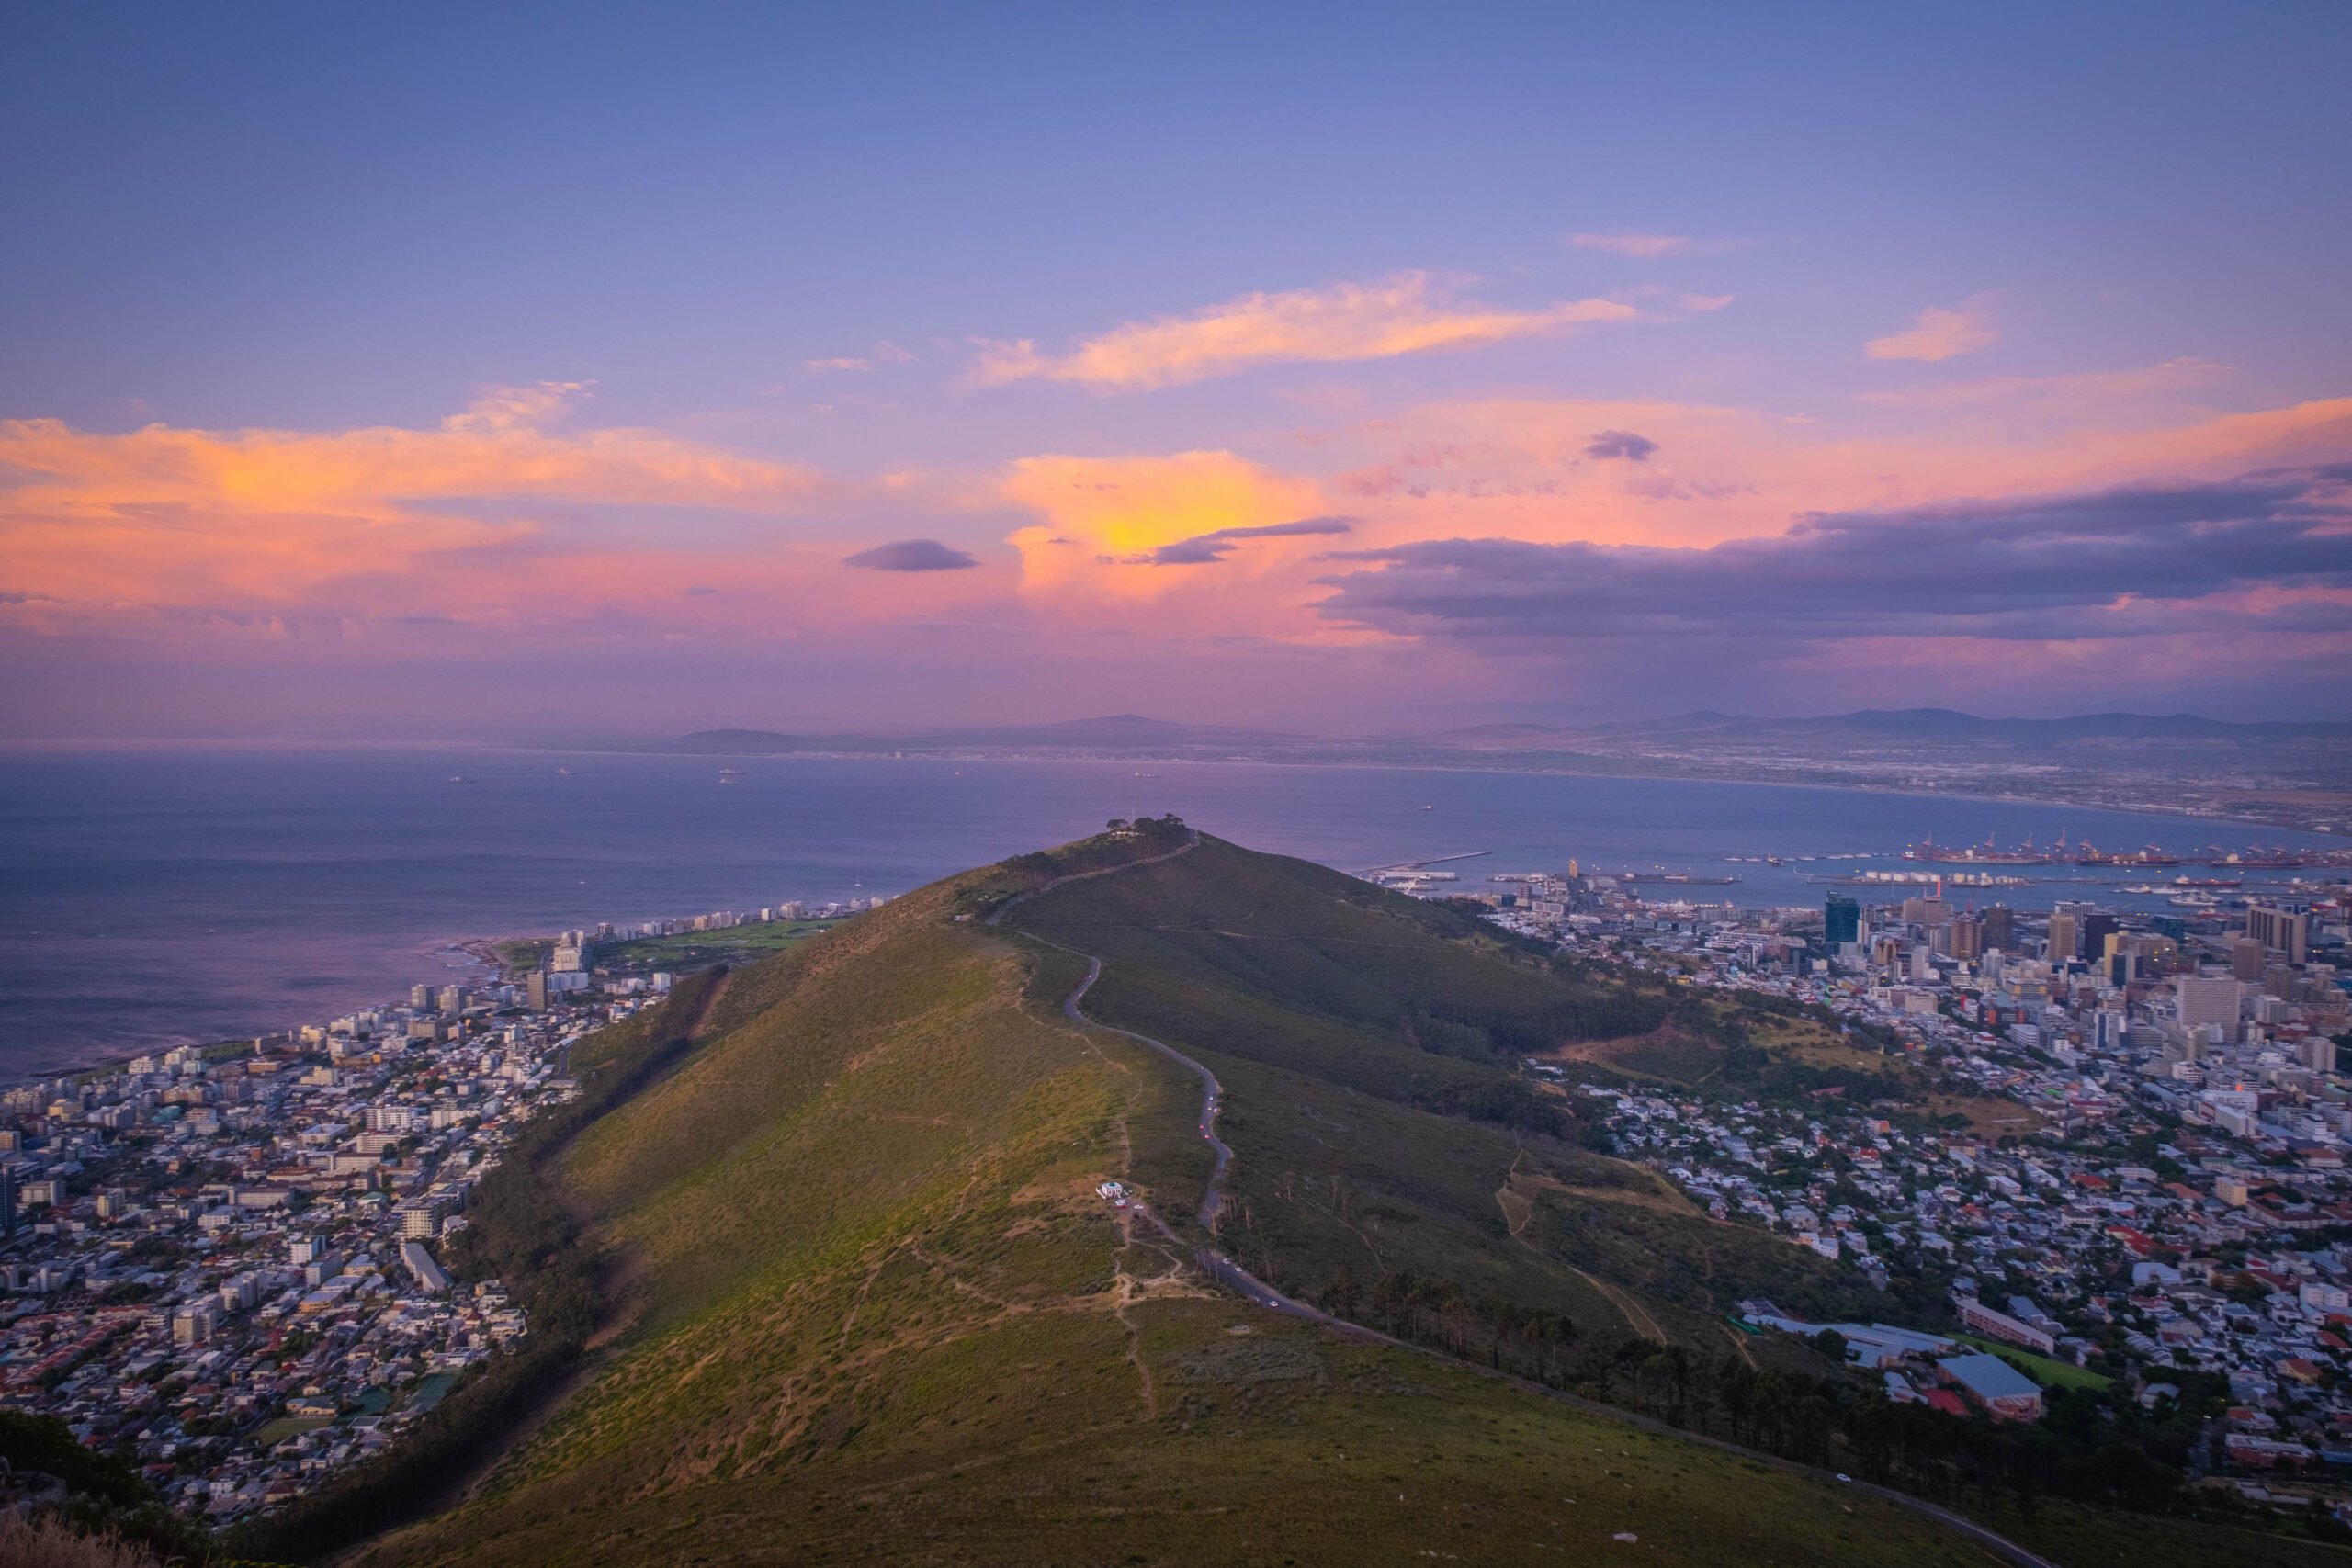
x=1725 y=772
x=278 y=986
x=2334 y=803
x=481 y=950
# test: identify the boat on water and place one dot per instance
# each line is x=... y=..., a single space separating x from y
x=461 y=778
x=563 y=772
x=730 y=775
x=1145 y=775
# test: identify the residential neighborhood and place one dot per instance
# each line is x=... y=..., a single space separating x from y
x=2124 y=1168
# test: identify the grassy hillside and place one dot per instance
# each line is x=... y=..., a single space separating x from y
x=872 y=1308
x=1381 y=1126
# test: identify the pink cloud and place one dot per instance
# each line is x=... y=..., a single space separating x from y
x=1408 y=313
x=1938 y=333
x=1642 y=247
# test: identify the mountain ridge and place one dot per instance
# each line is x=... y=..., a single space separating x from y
x=873 y=1301
x=880 y=1309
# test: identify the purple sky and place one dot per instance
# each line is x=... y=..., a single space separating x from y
x=1340 y=368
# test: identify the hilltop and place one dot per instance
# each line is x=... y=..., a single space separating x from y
x=862 y=1298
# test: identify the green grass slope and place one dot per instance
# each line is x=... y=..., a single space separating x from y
x=1369 y=1045
x=874 y=1311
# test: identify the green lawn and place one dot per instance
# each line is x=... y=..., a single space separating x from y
x=699 y=950
x=286 y=1426
x=2040 y=1368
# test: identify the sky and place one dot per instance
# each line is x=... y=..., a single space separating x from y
x=1350 y=368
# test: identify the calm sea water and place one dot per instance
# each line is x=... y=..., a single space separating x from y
x=187 y=895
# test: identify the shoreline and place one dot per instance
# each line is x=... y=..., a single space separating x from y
x=478 y=955
x=481 y=950
x=2059 y=799
x=2339 y=830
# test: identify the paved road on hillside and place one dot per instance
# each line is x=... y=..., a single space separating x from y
x=1192 y=842
x=1225 y=1269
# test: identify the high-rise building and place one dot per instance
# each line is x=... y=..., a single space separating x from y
x=1967 y=938
x=535 y=990
x=2063 y=937
x=1928 y=911
x=2319 y=1054
x=2246 y=960
x=420 y=997
x=2001 y=928
x=1842 y=919
x=2095 y=928
x=2208 y=999
x=2280 y=929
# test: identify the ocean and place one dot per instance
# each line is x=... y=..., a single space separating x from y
x=162 y=896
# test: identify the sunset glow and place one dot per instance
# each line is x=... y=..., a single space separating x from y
x=1023 y=433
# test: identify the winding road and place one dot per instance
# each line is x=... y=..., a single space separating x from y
x=1216 y=1264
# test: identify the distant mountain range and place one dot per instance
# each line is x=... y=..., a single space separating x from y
x=1119 y=732
x=1919 y=728
x=1916 y=727
x=2289 y=774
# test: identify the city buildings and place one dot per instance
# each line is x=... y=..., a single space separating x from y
x=229 y=1262
x=2138 y=1171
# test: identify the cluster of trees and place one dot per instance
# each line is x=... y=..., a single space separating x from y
x=2088 y=1448
x=1163 y=832
x=103 y=1494
x=518 y=1232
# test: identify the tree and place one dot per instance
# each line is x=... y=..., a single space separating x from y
x=1341 y=1296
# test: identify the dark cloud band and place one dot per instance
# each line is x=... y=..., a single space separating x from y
x=1204 y=550
x=2112 y=563
x=1622 y=444
x=910 y=555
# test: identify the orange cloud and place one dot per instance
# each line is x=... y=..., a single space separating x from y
x=1104 y=515
x=1401 y=315
x=261 y=519
x=1937 y=333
